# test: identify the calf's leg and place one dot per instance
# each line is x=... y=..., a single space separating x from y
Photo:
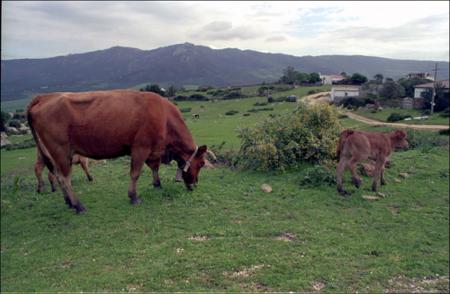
x=52 y=179
x=154 y=165
x=352 y=166
x=339 y=175
x=85 y=166
x=379 y=164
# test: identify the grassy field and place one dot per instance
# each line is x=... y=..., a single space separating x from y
x=228 y=235
x=435 y=119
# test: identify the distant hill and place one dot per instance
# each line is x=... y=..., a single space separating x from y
x=182 y=64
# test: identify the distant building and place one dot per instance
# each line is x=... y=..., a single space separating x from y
x=339 y=92
x=420 y=75
x=331 y=79
x=419 y=89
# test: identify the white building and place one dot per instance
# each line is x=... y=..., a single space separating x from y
x=330 y=79
x=419 y=89
x=339 y=92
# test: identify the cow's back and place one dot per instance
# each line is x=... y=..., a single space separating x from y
x=101 y=124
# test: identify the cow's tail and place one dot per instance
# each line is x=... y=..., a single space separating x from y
x=39 y=144
x=344 y=135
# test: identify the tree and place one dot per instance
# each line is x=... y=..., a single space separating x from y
x=289 y=75
x=378 y=78
x=4 y=121
x=314 y=77
x=171 y=91
x=409 y=84
x=358 y=79
x=391 y=90
x=153 y=88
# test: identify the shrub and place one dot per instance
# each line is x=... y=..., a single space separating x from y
x=445 y=112
x=317 y=176
x=187 y=109
x=270 y=99
x=198 y=97
x=310 y=92
x=342 y=116
x=260 y=109
x=233 y=95
x=231 y=112
x=22 y=145
x=352 y=103
x=14 y=123
x=260 y=104
x=309 y=134
x=246 y=114
x=426 y=140
x=444 y=132
x=397 y=117
x=180 y=98
x=291 y=98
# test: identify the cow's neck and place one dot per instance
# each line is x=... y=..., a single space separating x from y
x=181 y=144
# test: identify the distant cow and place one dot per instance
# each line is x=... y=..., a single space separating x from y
x=109 y=124
x=195 y=116
x=39 y=168
x=357 y=146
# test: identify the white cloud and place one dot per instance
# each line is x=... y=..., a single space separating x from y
x=417 y=30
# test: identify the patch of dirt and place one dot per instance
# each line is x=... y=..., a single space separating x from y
x=134 y=287
x=317 y=286
x=393 y=209
x=198 y=238
x=431 y=284
x=255 y=287
x=245 y=272
x=286 y=236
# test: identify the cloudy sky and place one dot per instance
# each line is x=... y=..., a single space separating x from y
x=406 y=30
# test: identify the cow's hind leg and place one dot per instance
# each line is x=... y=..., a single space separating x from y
x=154 y=165
x=138 y=157
x=38 y=168
x=85 y=166
x=52 y=179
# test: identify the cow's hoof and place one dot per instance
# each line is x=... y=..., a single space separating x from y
x=157 y=185
x=68 y=202
x=343 y=193
x=80 y=209
x=135 y=201
x=90 y=179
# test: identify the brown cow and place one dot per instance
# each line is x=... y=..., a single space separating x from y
x=39 y=168
x=357 y=146
x=109 y=124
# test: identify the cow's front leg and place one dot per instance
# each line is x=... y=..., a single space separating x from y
x=138 y=156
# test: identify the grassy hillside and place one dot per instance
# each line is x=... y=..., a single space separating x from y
x=228 y=235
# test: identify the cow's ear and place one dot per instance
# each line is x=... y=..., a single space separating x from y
x=201 y=150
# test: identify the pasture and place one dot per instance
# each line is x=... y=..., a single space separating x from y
x=227 y=235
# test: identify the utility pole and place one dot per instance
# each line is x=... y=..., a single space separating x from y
x=434 y=89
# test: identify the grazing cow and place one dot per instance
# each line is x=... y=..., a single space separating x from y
x=39 y=168
x=195 y=116
x=109 y=124
x=356 y=146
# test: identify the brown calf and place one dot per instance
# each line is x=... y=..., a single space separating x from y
x=39 y=168
x=355 y=147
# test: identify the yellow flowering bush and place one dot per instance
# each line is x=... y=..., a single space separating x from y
x=308 y=134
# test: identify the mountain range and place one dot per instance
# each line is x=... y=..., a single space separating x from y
x=183 y=64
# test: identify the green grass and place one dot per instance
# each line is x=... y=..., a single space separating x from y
x=347 y=244
x=434 y=119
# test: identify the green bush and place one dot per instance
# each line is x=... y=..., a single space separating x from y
x=309 y=134
x=426 y=140
x=198 y=97
x=318 y=176
x=352 y=102
x=231 y=112
x=187 y=109
x=444 y=132
x=22 y=145
x=397 y=117
x=260 y=104
x=260 y=109
x=14 y=123
x=445 y=112
x=310 y=92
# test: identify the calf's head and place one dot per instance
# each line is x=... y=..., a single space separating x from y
x=398 y=140
x=192 y=167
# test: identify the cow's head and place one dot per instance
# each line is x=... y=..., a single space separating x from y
x=192 y=167
x=398 y=140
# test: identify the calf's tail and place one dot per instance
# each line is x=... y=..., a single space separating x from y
x=344 y=135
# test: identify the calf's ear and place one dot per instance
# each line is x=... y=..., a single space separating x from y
x=400 y=134
x=201 y=150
